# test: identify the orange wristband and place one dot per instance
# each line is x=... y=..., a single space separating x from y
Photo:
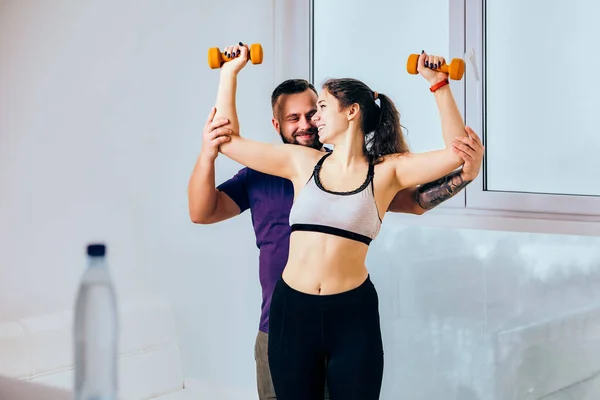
x=439 y=85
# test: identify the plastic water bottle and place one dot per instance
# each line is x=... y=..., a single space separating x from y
x=96 y=331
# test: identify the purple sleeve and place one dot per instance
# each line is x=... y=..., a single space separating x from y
x=235 y=188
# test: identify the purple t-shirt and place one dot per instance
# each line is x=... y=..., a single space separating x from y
x=269 y=199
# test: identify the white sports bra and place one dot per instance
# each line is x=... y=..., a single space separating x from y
x=352 y=215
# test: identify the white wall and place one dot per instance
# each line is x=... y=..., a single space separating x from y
x=99 y=130
x=486 y=315
x=102 y=106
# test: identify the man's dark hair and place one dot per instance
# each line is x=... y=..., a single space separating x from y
x=290 y=86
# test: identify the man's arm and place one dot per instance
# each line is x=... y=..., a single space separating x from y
x=418 y=200
x=207 y=204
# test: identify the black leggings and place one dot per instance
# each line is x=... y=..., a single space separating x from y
x=305 y=330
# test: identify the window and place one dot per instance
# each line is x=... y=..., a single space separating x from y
x=535 y=105
x=529 y=91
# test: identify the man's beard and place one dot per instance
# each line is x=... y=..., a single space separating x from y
x=316 y=144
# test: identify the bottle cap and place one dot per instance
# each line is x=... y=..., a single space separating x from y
x=96 y=250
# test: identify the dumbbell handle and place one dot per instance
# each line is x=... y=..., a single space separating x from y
x=445 y=68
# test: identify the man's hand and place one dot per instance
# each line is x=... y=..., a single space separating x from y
x=430 y=195
x=214 y=135
x=470 y=149
x=237 y=56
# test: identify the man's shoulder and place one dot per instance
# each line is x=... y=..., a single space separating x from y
x=255 y=176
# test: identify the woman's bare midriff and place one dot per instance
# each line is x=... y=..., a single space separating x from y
x=324 y=264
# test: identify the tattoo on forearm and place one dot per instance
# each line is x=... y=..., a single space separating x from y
x=434 y=193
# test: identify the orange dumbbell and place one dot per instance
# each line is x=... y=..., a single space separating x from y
x=216 y=58
x=455 y=69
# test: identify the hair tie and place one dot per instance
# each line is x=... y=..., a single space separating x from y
x=375 y=95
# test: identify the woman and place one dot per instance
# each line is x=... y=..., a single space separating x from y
x=325 y=306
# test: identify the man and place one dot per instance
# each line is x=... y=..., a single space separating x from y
x=269 y=198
